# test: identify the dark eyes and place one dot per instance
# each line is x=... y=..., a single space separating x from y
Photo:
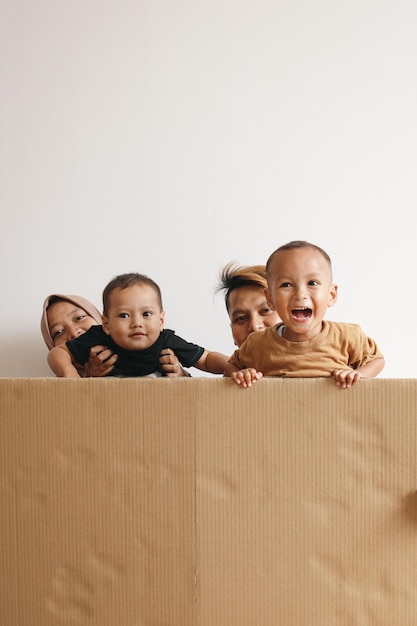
x=243 y=318
x=312 y=283
x=76 y=320
x=126 y=315
x=240 y=319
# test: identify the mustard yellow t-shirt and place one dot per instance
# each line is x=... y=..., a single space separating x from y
x=338 y=345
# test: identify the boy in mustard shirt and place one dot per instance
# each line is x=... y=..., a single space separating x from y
x=300 y=288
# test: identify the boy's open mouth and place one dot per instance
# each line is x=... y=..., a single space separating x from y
x=301 y=313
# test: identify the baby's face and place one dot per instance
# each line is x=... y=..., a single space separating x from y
x=134 y=319
x=67 y=321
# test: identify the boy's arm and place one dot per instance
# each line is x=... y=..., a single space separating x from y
x=372 y=368
x=345 y=378
x=230 y=368
x=60 y=362
x=213 y=362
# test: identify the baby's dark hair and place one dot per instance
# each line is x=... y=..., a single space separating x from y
x=293 y=245
x=233 y=276
x=127 y=280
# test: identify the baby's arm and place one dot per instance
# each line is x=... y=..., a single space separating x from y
x=345 y=378
x=60 y=362
x=213 y=362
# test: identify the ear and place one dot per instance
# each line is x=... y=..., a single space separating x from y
x=105 y=324
x=162 y=320
x=332 y=295
x=268 y=297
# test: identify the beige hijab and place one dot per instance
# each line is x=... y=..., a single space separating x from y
x=84 y=304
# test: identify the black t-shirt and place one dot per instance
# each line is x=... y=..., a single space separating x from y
x=135 y=362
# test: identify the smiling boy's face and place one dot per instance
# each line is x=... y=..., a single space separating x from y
x=134 y=319
x=301 y=289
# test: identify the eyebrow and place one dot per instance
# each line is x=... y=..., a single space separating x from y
x=235 y=311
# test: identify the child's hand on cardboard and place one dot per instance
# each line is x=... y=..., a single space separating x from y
x=346 y=378
x=246 y=377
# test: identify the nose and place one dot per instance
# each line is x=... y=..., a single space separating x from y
x=301 y=292
x=136 y=321
x=74 y=331
x=255 y=323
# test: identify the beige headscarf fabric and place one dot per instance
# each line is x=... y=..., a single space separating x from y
x=84 y=304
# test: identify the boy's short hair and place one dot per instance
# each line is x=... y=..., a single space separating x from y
x=122 y=281
x=233 y=276
x=293 y=245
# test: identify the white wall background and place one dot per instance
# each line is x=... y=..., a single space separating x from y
x=170 y=137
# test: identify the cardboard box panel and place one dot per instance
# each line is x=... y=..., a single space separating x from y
x=307 y=504
x=150 y=502
x=98 y=493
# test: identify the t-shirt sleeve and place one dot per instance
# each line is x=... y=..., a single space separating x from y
x=186 y=352
x=371 y=351
x=365 y=349
x=236 y=360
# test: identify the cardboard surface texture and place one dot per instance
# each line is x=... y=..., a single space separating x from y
x=193 y=502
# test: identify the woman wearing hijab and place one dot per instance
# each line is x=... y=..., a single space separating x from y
x=66 y=317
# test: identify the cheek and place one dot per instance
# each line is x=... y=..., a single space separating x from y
x=239 y=335
x=60 y=340
x=272 y=318
x=87 y=324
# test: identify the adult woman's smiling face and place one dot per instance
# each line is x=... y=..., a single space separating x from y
x=67 y=321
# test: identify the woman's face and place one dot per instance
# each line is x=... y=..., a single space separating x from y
x=249 y=312
x=66 y=321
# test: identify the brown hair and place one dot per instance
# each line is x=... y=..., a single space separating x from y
x=127 y=280
x=233 y=276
